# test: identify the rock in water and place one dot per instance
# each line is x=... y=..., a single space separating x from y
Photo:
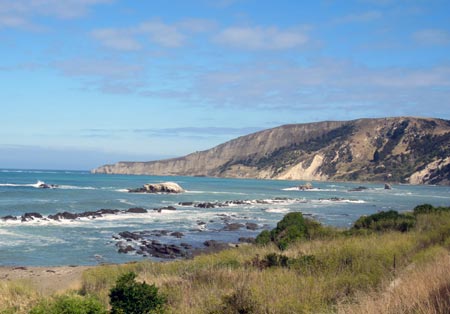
x=307 y=186
x=387 y=186
x=165 y=187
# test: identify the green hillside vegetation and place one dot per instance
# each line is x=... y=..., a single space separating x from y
x=388 y=262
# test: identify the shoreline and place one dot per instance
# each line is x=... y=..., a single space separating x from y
x=46 y=280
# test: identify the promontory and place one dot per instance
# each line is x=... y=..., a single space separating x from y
x=399 y=149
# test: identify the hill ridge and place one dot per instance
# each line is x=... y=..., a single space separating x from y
x=388 y=149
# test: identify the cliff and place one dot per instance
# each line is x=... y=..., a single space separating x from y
x=403 y=149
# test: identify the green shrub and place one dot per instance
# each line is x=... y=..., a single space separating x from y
x=382 y=221
x=69 y=305
x=427 y=209
x=131 y=297
x=264 y=238
x=291 y=228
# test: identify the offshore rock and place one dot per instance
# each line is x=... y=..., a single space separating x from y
x=165 y=187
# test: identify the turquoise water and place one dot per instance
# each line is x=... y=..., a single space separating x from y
x=90 y=241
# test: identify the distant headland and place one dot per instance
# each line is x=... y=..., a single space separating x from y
x=399 y=149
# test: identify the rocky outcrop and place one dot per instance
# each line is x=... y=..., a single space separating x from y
x=166 y=187
x=403 y=149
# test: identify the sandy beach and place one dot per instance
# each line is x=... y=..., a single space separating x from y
x=47 y=280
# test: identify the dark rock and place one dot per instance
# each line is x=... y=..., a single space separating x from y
x=164 y=208
x=129 y=235
x=177 y=234
x=200 y=223
x=186 y=245
x=137 y=210
x=210 y=243
x=233 y=226
x=9 y=217
x=387 y=186
x=30 y=216
x=107 y=211
x=247 y=240
x=251 y=226
x=126 y=249
x=64 y=215
x=186 y=203
x=358 y=189
x=205 y=205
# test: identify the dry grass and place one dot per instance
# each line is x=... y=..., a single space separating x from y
x=17 y=296
x=424 y=289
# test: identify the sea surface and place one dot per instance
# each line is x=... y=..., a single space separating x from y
x=86 y=241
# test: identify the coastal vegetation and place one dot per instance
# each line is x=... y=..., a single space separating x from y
x=388 y=262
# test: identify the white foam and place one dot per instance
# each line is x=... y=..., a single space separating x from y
x=213 y=192
x=122 y=190
x=73 y=187
x=331 y=201
x=277 y=210
x=296 y=188
x=124 y=201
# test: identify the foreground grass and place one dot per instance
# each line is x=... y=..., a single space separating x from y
x=359 y=272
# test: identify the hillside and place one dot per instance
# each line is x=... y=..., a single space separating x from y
x=403 y=149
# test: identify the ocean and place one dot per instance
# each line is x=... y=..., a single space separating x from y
x=247 y=205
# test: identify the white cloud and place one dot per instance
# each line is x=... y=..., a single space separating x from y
x=261 y=38
x=432 y=37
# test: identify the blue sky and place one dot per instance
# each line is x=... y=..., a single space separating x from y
x=87 y=82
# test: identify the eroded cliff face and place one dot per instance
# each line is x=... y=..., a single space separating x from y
x=405 y=149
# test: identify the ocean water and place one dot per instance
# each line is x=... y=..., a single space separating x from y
x=84 y=241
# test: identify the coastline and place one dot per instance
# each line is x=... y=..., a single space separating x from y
x=46 y=280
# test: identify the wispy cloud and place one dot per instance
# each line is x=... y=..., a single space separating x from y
x=116 y=39
x=362 y=17
x=21 y=13
x=181 y=132
x=105 y=75
x=325 y=85
x=432 y=36
x=134 y=38
x=261 y=38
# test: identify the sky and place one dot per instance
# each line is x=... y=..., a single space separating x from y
x=89 y=82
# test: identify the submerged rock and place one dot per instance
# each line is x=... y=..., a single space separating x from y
x=137 y=210
x=358 y=189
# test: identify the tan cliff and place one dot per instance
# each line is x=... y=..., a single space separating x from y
x=401 y=149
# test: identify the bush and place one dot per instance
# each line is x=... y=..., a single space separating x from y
x=131 y=297
x=291 y=228
x=382 y=221
x=69 y=305
x=427 y=209
x=264 y=238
